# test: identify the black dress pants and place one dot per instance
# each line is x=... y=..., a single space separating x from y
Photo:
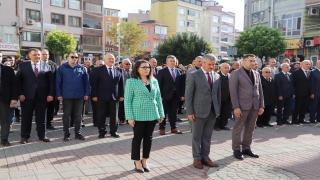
x=264 y=118
x=121 y=115
x=300 y=108
x=170 y=107
x=50 y=111
x=94 y=112
x=283 y=109
x=142 y=130
x=4 y=119
x=105 y=108
x=225 y=109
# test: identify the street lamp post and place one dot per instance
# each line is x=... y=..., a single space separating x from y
x=42 y=28
x=119 y=37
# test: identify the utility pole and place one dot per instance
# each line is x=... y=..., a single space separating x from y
x=103 y=32
x=119 y=38
x=42 y=29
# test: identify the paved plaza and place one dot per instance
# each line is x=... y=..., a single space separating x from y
x=287 y=152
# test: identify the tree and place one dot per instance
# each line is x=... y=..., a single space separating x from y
x=132 y=36
x=261 y=41
x=61 y=43
x=184 y=46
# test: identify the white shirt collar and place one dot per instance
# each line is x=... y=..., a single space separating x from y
x=109 y=67
x=205 y=72
x=318 y=69
x=224 y=74
x=36 y=63
x=304 y=70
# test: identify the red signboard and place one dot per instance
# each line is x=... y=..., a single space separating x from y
x=316 y=40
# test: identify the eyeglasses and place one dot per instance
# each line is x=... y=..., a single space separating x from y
x=127 y=64
x=267 y=72
x=145 y=67
x=74 y=57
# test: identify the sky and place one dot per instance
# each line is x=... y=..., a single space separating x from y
x=132 y=6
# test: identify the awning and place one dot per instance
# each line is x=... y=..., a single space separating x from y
x=9 y=53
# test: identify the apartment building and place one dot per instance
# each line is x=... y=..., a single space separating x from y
x=57 y=14
x=111 y=17
x=9 y=28
x=140 y=16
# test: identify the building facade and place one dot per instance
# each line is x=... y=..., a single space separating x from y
x=64 y=15
x=139 y=17
x=111 y=18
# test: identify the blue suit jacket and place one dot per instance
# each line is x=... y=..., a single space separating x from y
x=104 y=87
x=168 y=86
x=315 y=82
x=283 y=85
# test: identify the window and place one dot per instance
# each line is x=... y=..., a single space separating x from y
x=160 y=30
x=109 y=41
x=215 y=40
x=215 y=19
x=57 y=19
x=227 y=19
x=227 y=28
x=38 y=1
x=31 y=36
x=230 y=20
x=181 y=23
x=182 y=11
x=224 y=38
x=74 y=4
x=108 y=27
x=156 y=45
x=191 y=24
x=146 y=30
x=8 y=38
x=91 y=23
x=146 y=44
x=197 y=26
x=92 y=40
x=32 y=14
x=59 y=3
x=260 y=5
x=111 y=12
x=224 y=48
x=92 y=7
x=197 y=15
x=74 y=21
x=289 y=24
x=198 y=3
x=215 y=29
x=253 y=7
x=191 y=13
x=230 y=40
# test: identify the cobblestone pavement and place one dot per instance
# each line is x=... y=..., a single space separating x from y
x=287 y=152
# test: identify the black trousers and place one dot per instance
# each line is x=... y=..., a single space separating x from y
x=142 y=130
x=4 y=119
x=264 y=118
x=105 y=108
x=94 y=112
x=57 y=105
x=121 y=115
x=283 y=115
x=50 y=111
x=72 y=115
x=225 y=109
x=300 y=108
x=27 y=107
x=170 y=107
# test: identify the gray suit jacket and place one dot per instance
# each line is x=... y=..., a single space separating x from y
x=243 y=93
x=198 y=95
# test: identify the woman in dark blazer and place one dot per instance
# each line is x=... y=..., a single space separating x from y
x=143 y=109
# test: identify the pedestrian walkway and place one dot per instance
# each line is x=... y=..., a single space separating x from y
x=286 y=152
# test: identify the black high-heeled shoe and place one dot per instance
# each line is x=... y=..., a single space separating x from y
x=138 y=170
x=145 y=169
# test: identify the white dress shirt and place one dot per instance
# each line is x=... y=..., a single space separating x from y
x=112 y=70
x=205 y=74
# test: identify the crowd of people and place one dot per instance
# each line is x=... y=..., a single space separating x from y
x=142 y=94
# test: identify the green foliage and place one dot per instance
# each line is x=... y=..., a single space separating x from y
x=186 y=47
x=61 y=43
x=19 y=54
x=133 y=36
x=261 y=41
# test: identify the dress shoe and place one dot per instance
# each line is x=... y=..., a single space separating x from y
x=279 y=124
x=66 y=138
x=313 y=122
x=179 y=120
x=44 y=139
x=101 y=136
x=260 y=125
x=162 y=132
x=180 y=112
x=49 y=126
x=56 y=113
x=176 y=131
x=5 y=142
x=288 y=123
x=86 y=112
x=237 y=154
x=304 y=122
x=248 y=152
x=197 y=164
x=80 y=137
x=268 y=125
x=217 y=129
x=17 y=119
x=83 y=125
x=23 y=141
x=297 y=123
x=146 y=169
x=121 y=122
x=209 y=163
x=138 y=170
x=115 y=135
x=225 y=128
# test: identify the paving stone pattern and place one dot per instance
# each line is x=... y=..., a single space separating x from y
x=287 y=152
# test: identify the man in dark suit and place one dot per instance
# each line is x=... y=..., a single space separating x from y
x=8 y=96
x=169 y=80
x=51 y=105
x=153 y=64
x=300 y=80
x=235 y=66
x=126 y=65
x=285 y=94
x=36 y=88
x=269 y=94
x=247 y=101
x=315 y=94
x=107 y=90
x=222 y=120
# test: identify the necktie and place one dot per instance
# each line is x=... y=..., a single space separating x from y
x=36 y=70
x=128 y=74
x=287 y=76
x=209 y=80
x=110 y=73
x=226 y=77
x=154 y=72
x=173 y=75
x=307 y=74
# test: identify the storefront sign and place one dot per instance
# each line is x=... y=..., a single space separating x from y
x=284 y=6
x=47 y=26
x=316 y=40
x=310 y=2
x=9 y=47
x=294 y=43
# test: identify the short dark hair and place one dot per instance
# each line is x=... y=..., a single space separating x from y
x=135 y=73
x=33 y=49
x=10 y=57
x=297 y=63
x=248 y=55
